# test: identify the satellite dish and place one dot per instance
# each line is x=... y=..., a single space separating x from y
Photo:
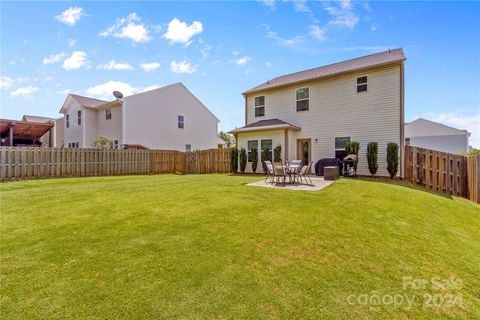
x=118 y=94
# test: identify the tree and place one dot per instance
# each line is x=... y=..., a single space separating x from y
x=372 y=156
x=266 y=151
x=254 y=151
x=277 y=153
x=243 y=160
x=225 y=137
x=392 y=159
x=102 y=142
x=234 y=160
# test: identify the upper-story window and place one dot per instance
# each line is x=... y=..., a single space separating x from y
x=180 y=122
x=108 y=114
x=362 y=84
x=79 y=117
x=407 y=141
x=303 y=99
x=259 y=106
x=67 y=120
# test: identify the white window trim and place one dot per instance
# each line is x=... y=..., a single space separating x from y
x=307 y=87
x=110 y=110
x=255 y=106
x=356 y=84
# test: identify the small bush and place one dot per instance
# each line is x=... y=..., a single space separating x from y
x=102 y=142
x=392 y=159
x=277 y=153
x=254 y=151
x=243 y=160
x=266 y=151
x=353 y=147
x=372 y=157
x=234 y=160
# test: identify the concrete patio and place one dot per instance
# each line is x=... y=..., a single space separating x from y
x=318 y=183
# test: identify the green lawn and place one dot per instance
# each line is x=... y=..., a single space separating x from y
x=207 y=246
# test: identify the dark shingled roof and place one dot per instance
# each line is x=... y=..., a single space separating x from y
x=377 y=59
x=267 y=123
x=86 y=101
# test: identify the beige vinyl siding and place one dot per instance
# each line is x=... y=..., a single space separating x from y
x=89 y=122
x=337 y=110
x=74 y=133
x=277 y=137
x=111 y=128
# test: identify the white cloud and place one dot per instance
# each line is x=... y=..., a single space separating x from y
x=269 y=3
x=182 y=67
x=112 y=65
x=268 y=64
x=317 y=33
x=147 y=67
x=77 y=60
x=6 y=82
x=342 y=12
x=71 y=42
x=105 y=90
x=243 y=60
x=180 y=32
x=71 y=15
x=287 y=42
x=128 y=28
x=301 y=6
x=235 y=52
x=54 y=58
x=374 y=27
x=24 y=92
x=469 y=120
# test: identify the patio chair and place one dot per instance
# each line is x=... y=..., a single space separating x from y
x=295 y=168
x=279 y=173
x=270 y=172
x=305 y=173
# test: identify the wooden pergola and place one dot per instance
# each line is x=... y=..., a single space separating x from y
x=24 y=133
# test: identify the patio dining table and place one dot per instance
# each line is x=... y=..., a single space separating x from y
x=292 y=171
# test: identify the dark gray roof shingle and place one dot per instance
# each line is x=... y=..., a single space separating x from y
x=377 y=59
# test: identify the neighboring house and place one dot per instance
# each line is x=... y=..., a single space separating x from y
x=433 y=135
x=312 y=114
x=169 y=118
x=45 y=139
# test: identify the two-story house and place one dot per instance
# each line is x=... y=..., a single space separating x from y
x=312 y=114
x=169 y=118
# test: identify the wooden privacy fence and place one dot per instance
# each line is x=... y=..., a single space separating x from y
x=31 y=163
x=448 y=173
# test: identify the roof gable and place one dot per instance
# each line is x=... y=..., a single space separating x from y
x=370 y=61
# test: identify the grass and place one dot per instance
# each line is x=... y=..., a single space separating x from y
x=207 y=246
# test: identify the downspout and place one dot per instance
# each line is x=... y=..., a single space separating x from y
x=402 y=120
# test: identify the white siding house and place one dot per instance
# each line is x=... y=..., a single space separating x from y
x=170 y=118
x=312 y=113
x=432 y=135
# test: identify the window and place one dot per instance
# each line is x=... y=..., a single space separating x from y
x=76 y=144
x=340 y=147
x=266 y=143
x=188 y=147
x=259 y=106
x=108 y=114
x=407 y=141
x=362 y=84
x=79 y=117
x=302 y=96
x=67 y=118
x=250 y=145
x=115 y=144
x=69 y=145
x=180 y=122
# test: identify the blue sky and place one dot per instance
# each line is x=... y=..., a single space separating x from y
x=220 y=49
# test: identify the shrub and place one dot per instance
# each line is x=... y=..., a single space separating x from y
x=353 y=147
x=243 y=160
x=102 y=142
x=234 y=160
x=372 y=156
x=392 y=158
x=266 y=151
x=277 y=153
x=254 y=151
